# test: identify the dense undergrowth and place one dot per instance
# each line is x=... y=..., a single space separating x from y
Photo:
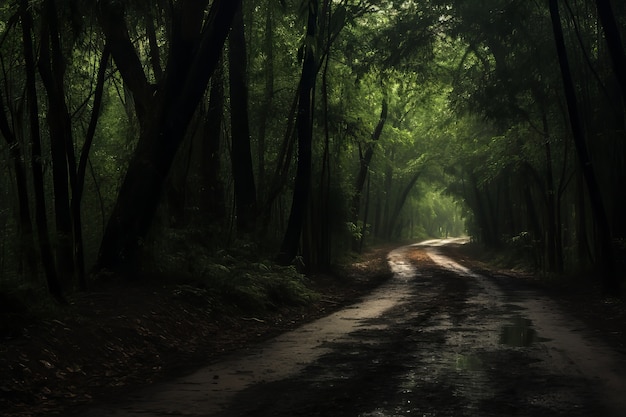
x=184 y=310
x=225 y=281
x=520 y=255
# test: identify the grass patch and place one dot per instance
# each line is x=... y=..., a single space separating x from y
x=231 y=279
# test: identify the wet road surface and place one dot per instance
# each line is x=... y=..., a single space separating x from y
x=435 y=340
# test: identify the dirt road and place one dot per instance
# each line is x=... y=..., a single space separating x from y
x=435 y=340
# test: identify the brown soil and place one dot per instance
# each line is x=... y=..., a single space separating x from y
x=579 y=296
x=120 y=338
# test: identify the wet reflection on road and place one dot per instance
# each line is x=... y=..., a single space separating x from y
x=436 y=340
x=518 y=333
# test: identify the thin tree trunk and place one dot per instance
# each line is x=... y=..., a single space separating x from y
x=283 y=164
x=52 y=69
x=192 y=61
x=365 y=215
x=388 y=183
x=155 y=56
x=304 y=125
x=365 y=161
x=213 y=190
x=614 y=42
x=77 y=192
x=324 y=213
x=551 y=227
x=401 y=201
x=27 y=256
x=268 y=95
x=605 y=261
x=241 y=155
x=45 y=248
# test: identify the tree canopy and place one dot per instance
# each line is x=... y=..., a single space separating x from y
x=148 y=136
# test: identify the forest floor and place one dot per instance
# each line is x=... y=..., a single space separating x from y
x=118 y=338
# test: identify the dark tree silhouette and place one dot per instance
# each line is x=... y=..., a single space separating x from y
x=605 y=260
x=164 y=114
x=304 y=126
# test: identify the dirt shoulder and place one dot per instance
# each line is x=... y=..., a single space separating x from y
x=579 y=297
x=120 y=338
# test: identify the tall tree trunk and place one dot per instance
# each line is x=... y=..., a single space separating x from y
x=365 y=215
x=614 y=42
x=268 y=94
x=213 y=190
x=111 y=19
x=551 y=226
x=605 y=261
x=324 y=213
x=52 y=69
x=365 y=160
x=533 y=219
x=584 y=252
x=193 y=58
x=482 y=211
x=27 y=254
x=388 y=183
x=155 y=56
x=283 y=165
x=43 y=233
x=401 y=201
x=304 y=126
x=241 y=154
x=79 y=186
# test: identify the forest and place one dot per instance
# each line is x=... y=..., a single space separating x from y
x=214 y=138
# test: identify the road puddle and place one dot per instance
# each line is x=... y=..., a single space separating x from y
x=427 y=342
x=468 y=363
x=210 y=389
x=518 y=333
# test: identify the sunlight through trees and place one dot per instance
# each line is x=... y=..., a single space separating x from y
x=137 y=132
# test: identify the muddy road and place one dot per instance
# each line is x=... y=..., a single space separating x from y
x=435 y=340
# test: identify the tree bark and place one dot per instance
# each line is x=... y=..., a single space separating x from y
x=365 y=161
x=52 y=70
x=551 y=206
x=193 y=58
x=111 y=19
x=283 y=165
x=27 y=255
x=401 y=201
x=605 y=261
x=241 y=154
x=268 y=96
x=41 y=220
x=77 y=191
x=304 y=126
x=614 y=42
x=213 y=195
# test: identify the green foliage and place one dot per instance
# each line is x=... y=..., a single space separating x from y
x=474 y=108
x=226 y=279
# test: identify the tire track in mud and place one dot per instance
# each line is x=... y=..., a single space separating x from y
x=435 y=340
x=567 y=371
x=458 y=346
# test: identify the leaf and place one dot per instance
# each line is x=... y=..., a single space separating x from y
x=73 y=368
x=338 y=20
x=45 y=363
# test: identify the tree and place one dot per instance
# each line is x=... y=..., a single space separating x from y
x=164 y=114
x=304 y=126
x=241 y=157
x=606 y=262
x=614 y=42
x=47 y=256
x=364 y=166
